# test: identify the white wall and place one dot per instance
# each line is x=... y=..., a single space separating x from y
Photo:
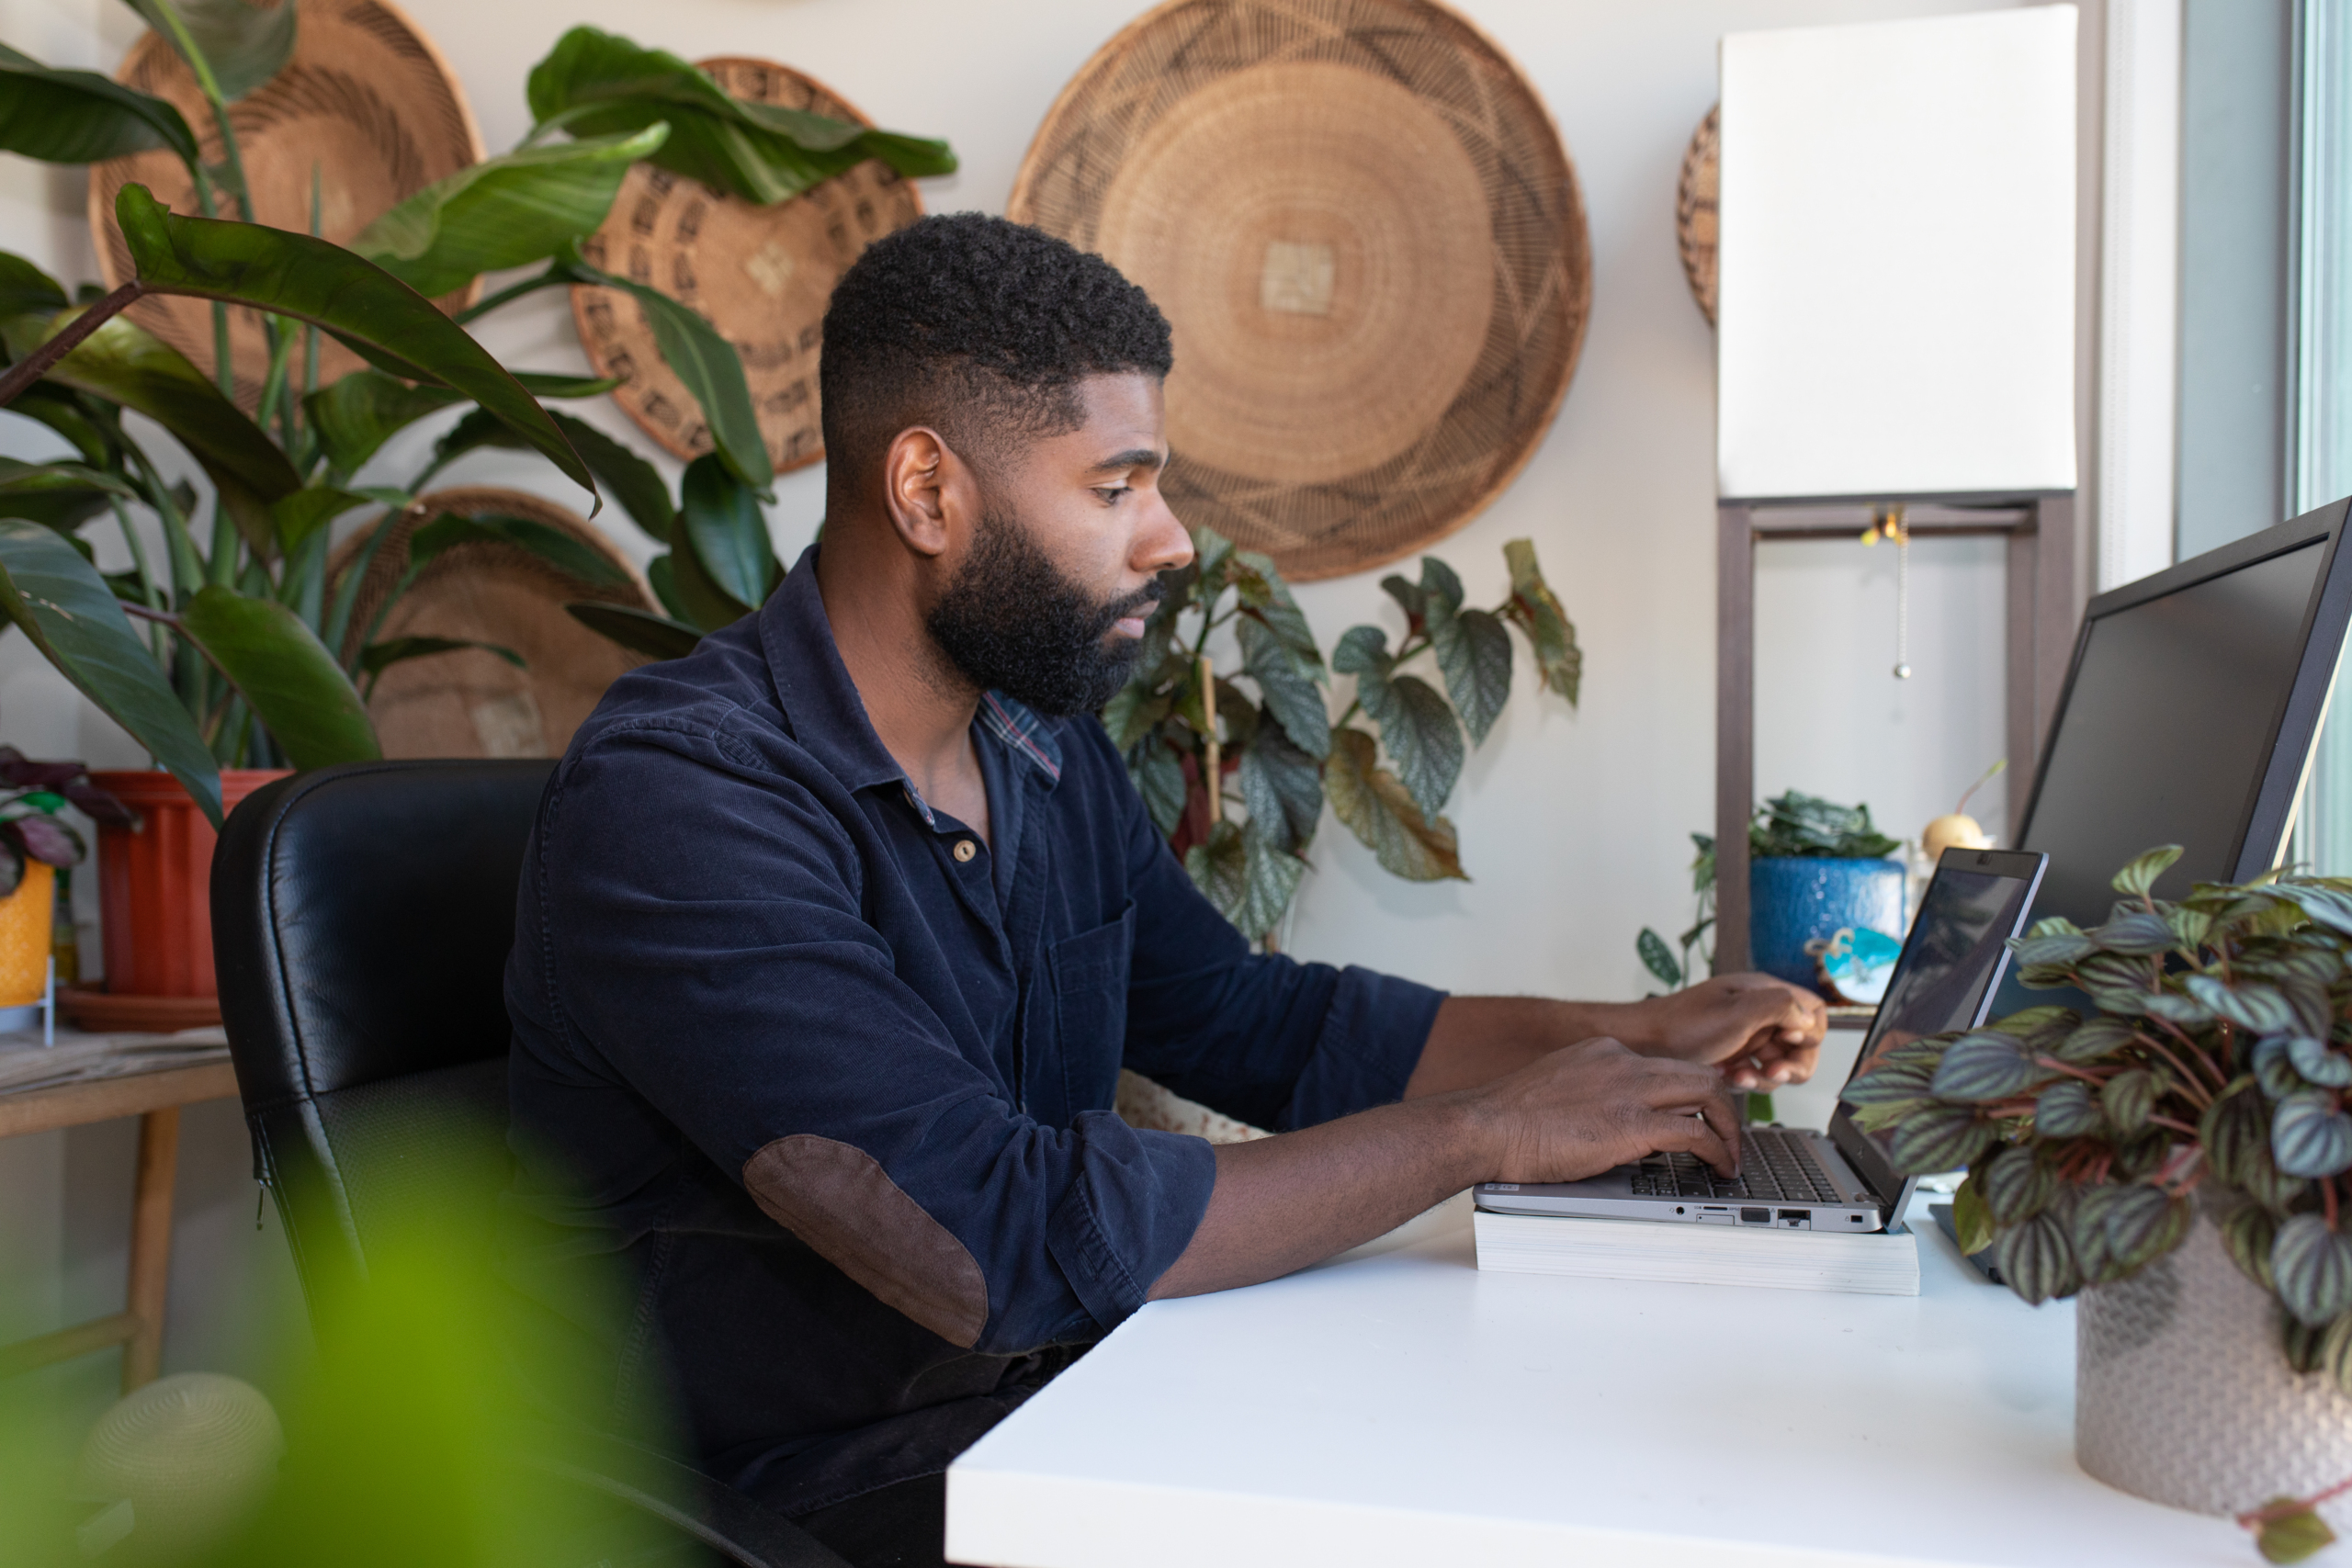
x=1573 y=824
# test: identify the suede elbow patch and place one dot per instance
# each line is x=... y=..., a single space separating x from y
x=839 y=1200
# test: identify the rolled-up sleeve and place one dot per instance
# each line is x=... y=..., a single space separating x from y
x=708 y=936
x=1262 y=1037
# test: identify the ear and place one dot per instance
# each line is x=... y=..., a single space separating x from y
x=931 y=492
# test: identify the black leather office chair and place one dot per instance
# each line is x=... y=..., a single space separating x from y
x=361 y=917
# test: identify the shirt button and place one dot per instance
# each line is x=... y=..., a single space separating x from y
x=965 y=849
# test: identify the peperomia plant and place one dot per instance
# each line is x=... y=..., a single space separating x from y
x=1183 y=727
x=2217 y=1060
x=31 y=795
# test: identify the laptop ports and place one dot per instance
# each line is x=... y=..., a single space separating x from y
x=1755 y=1217
x=1796 y=1219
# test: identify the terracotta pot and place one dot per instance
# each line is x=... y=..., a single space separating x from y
x=24 y=935
x=2182 y=1394
x=155 y=883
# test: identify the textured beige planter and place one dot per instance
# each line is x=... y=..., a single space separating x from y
x=2182 y=1395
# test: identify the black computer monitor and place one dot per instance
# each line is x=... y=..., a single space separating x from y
x=2188 y=713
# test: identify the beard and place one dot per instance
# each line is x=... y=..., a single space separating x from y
x=1011 y=622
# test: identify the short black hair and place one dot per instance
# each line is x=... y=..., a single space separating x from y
x=980 y=328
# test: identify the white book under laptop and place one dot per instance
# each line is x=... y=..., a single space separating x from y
x=1879 y=1263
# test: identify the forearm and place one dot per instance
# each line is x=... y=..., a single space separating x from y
x=1284 y=1202
x=1479 y=1039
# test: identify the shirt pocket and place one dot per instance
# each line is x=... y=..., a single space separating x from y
x=1090 y=974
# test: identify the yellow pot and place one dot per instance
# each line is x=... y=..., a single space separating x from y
x=24 y=935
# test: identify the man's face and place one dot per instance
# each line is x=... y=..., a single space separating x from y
x=1049 y=602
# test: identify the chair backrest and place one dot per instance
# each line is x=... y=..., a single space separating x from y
x=361 y=917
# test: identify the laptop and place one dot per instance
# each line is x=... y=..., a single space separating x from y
x=1791 y=1179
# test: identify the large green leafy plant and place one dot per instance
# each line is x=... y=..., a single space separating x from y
x=250 y=655
x=2217 y=1061
x=1271 y=746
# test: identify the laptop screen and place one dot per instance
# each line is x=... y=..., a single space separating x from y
x=1957 y=950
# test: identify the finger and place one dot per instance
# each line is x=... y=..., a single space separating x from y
x=1722 y=1117
x=1678 y=1087
x=1695 y=1136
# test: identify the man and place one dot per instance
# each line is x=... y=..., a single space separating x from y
x=834 y=936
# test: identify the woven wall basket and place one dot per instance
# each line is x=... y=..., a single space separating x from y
x=1364 y=228
x=473 y=703
x=761 y=275
x=367 y=102
x=1694 y=208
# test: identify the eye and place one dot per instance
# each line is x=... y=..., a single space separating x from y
x=1111 y=494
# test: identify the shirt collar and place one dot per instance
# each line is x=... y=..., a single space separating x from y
x=828 y=716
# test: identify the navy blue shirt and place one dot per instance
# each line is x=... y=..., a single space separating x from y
x=835 y=1076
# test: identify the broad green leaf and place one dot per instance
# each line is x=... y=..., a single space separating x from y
x=1361 y=651
x=2066 y=1109
x=2248 y=1004
x=379 y=656
x=551 y=545
x=2234 y=1130
x=1940 y=1137
x=1439 y=586
x=1282 y=788
x=1409 y=596
x=2136 y=932
x=1658 y=959
x=57 y=495
x=504 y=212
x=2330 y=906
x=2316 y=1063
x=2311 y=1266
x=1293 y=699
x=2064 y=948
x=1474 y=653
x=2083 y=1210
x=1418 y=730
x=1266 y=600
x=723 y=526
x=356 y=413
x=25 y=290
x=1985 y=1065
x=600 y=83
x=2309 y=1136
x=231 y=45
x=1220 y=869
x=311 y=280
x=1211 y=553
x=1972 y=1221
x=1378 y=810
x=2127 y=1100
x=663 y=580
x=126 y=364
x=705 y=604
x=2091 y=1042
x=281 y=669
x=1537 y=610
x=1134 y=711
x=2135 y=879
x=1159 y=776
x=641 y=631
x=2143 y=1223
x=709 y=366
x=2036 y=1259
x=73 y=618
x=2016 y=1186
x=2275 y=1070
x=632 y=482
x=80 y=117
x=1888 y=1083
x=2293 y=1535
x=2247 y=1237
x=1270 y=882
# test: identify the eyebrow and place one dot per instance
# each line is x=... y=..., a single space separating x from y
x=1133 y=458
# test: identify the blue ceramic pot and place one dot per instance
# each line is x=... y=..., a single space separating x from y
x=1792 y=899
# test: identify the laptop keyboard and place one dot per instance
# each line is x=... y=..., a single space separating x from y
x=1774 y=1165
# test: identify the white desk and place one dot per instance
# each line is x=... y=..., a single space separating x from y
x=1398 y=1407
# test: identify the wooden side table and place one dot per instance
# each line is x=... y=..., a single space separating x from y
x=154 y=1094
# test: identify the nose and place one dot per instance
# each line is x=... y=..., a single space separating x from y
x=1162 y=543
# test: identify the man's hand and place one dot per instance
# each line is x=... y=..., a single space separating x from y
x=1760 y=1032
x=1578 y=1111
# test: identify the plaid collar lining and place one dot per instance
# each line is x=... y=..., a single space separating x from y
x=1022 y=729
